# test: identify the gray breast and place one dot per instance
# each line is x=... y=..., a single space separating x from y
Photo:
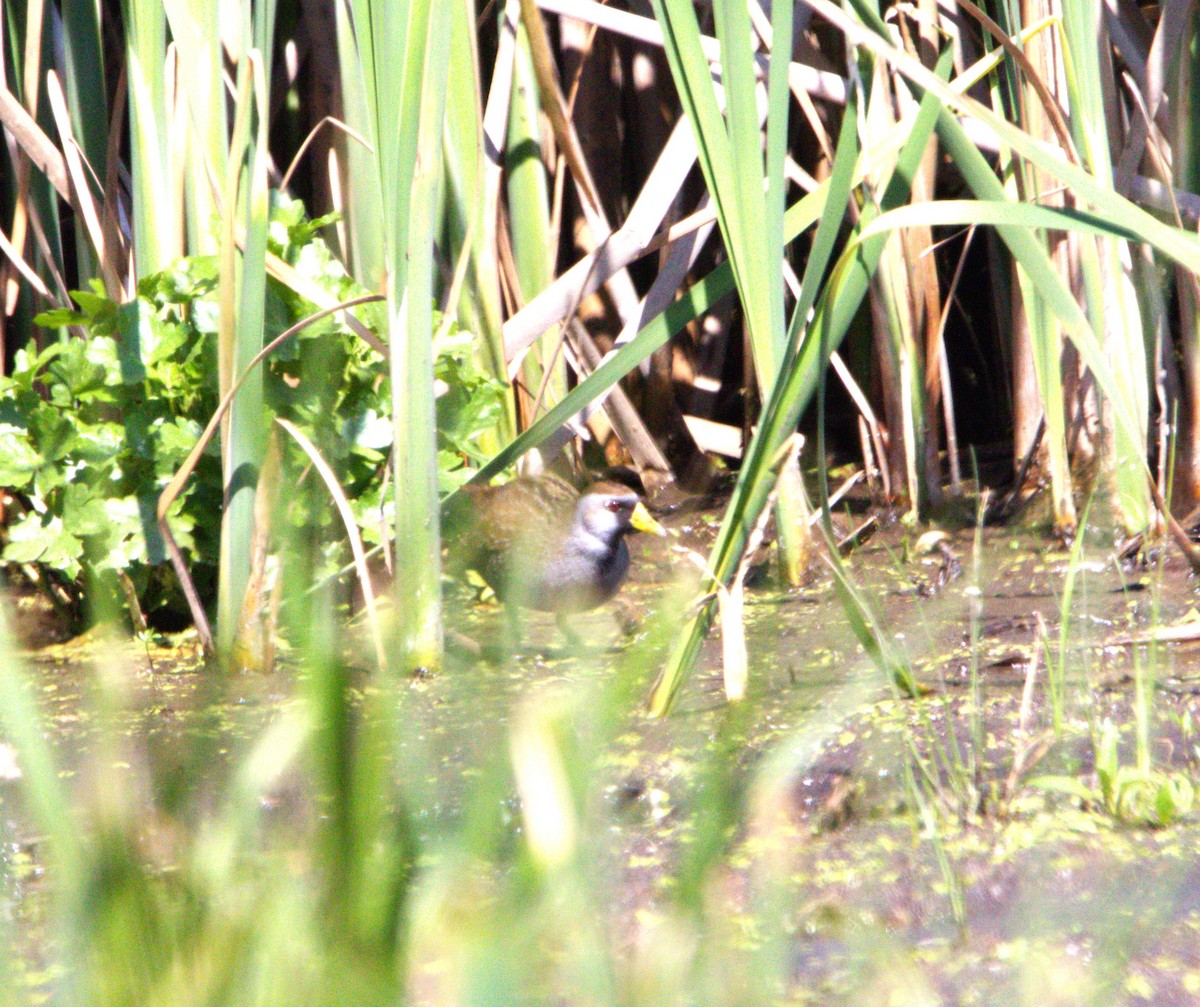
x=578 y=581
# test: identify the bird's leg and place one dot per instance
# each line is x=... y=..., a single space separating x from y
x=574 y=640
x=512 y=630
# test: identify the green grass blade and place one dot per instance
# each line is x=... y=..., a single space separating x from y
x=654 y=334
x=468 y=220
x=754 y=479
x=1112 y=305
x=364 y=211
x=693 y=81
x=730 y=156
x=155 y=242
x=196 y=28
x=534 y=241
x=1174 y=242
x=808 y=347
x=243 y=283
x=83 y=80
x=418 y=557
x=403 y=53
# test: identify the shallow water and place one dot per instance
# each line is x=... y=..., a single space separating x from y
x=970 y=887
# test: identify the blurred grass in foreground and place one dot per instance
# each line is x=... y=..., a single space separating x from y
x=504 y=835
x=329 y=863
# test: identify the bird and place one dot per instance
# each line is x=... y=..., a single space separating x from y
x=541 y=544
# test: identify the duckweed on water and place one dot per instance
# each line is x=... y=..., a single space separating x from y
x=820 y=881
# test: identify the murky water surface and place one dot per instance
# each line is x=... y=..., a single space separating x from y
x=906 y=849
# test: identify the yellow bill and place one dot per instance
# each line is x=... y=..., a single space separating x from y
x=642 y=521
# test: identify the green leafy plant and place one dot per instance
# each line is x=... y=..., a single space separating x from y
x=1140 y=796
x=1133 y=795
x=91 y=429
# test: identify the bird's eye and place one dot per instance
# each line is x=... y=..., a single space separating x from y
x=615 y=505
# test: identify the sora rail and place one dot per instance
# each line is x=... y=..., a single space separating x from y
x=539 y=543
